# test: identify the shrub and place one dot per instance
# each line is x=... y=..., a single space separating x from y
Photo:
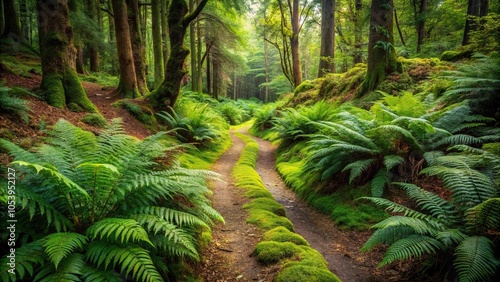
x=13 y=104
x=97 y=208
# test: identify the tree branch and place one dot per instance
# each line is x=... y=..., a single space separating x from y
x=190 y=17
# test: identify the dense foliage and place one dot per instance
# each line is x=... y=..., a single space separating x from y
x=105 y=207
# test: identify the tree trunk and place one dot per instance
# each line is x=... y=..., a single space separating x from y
x=327 y=51
x=178 y=21
x=472 y=10
x=138 y=49
x=111 y=24
x=157 y=43
x=60 y=83
x=216 y=83
x=194 y=53
x=164 y=31
x=2 y=18
x=11 y=25
x=381 y=55
x=294 y=45
x=80 y=61
x=399 y=28
x=127 y=87
x=23 y=16
x=209 y=74
x=358 y=33
x=422 y=10
x=93 y=12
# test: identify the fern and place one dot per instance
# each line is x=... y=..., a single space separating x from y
x=130 y=259
x=123 y=230
x=379 y=182
x=70 y=269
x=59 y=245
x=485 y=216
x=412 y=246
x=475 y=259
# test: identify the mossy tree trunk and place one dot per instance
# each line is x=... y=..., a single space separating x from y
x=127 y=86
x=93 y=12
x=158 y=59
x=138 y=48
x=178 y=21
x=294 y=44
x=327 y=51
x=381 y=55
x=60 y=83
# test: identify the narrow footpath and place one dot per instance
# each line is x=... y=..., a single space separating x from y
x=229 y=257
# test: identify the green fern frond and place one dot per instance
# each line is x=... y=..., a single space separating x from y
x=423 y=226
x=59 y=245
x=70 y=269
x=388 y=128
x=412 y=246
x=18 y=152
x=451 y=237
x=391 y=161
x=459 y=139
x=432 y=156
x=91 y=274
x=130 y=259
x=118 y=230
x=173 y=216
x=379 y=182
x=475 y=259
x=485 y=216
x=28 y=257
x=387 y=235
x=397 y=208
x=358 y=167
x=431 y=203
x=353 y=136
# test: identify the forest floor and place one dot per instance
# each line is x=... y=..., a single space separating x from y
x=229 y=258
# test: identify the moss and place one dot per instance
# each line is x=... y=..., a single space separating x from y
x=268 y=220
x=272 y=252
x=6 y=134
x=74 y=107
x=53 y=88
x=300 y=273
x=94 y=120
x=266 y=204
x=142 y=114
x=454 y=55
x=281 y=234
x=308 y=257
x=75 y=93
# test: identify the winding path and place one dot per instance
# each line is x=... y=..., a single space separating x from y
x=229 y=258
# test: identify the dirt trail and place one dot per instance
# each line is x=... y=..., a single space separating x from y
x=229 y=256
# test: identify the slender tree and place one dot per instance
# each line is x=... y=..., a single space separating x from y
x=294 y=43
x=60 y=83
x=159 y=66
x=327 y=51
x=179 y=19
x=381 y=55
x=127 y=86
x=420 y=8
x=475 y=8
x=193 y=47
x=164 y=31
x=93 y=12
x=138 y=48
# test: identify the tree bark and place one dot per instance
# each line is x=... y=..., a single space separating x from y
x=192 y=46
x=381 y=55
x=157 y=43
x=209 y=74
x=294 y=45
x=472 y=10
x=127 y=86
x=138 y=49
x=327 y=51
x=178 y=21
x=93 y=12
x=164 y=31
x=420 y=21
x=358 y=34
x=60 y=83
x=11 y=24
x=199 y=77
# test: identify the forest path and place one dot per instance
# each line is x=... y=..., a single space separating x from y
x=228 y=258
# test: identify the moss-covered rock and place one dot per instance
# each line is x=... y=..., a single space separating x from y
x=456 y=55
x=267 y=220
x=266 y=204
x=94 y=119
x=302 y=273
x=272 y=252
x=141 y=113
x=281 y=234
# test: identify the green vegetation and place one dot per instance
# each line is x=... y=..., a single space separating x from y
x=12 y=104
x=279 y=244
x=94 y=120
x=119 y=210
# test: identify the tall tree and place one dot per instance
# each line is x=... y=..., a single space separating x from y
x=138 y=48
x=11 y=20
x=381 y=54
x=164 y=30
x=157 y=42
x=179 y=19
x=193 y=47
x=93 y=12
x=420 y=11
x=127 y=86
x=327 y=51
x=60 y=83
x=475 y=8
x=294 y=42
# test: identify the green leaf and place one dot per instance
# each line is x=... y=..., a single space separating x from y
x=475 y=259
x=59 y=245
